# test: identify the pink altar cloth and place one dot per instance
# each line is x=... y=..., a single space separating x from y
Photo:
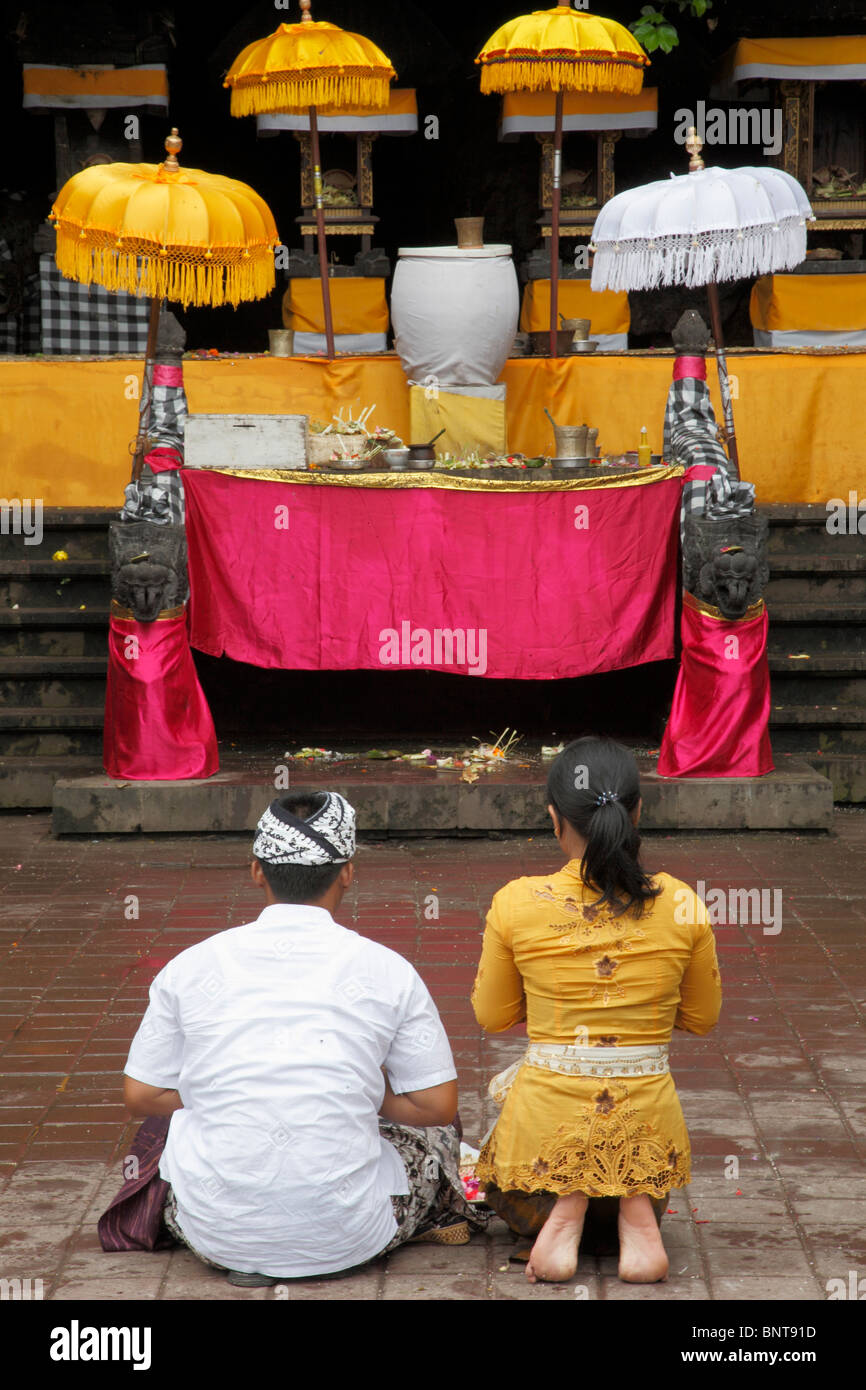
x=157 y=723
x=532 y=584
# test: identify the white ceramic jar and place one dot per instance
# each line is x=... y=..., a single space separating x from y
x=454 y=313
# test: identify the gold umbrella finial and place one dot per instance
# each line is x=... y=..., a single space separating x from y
x=173 y=147
x=694 y=145
x=306 y=6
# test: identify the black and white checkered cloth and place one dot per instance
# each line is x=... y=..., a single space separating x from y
x=168 y=415
x=691 y=437
x=86 y=319
x=156 y=497
x=159 y=497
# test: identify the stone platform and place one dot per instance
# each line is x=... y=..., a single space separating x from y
x=398 y=798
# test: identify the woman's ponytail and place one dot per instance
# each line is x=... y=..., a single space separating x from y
x=594 y=784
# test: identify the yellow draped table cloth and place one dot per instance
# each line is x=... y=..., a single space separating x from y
x=359 y=307
x=826 y=310
x=607 y=310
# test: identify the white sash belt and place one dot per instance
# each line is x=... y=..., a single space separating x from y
x=571 y=1060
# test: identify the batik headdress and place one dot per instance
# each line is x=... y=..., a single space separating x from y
x=327 y=837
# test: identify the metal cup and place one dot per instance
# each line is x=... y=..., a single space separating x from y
x=281 y=342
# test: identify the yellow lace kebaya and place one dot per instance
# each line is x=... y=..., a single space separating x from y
x=585 y=979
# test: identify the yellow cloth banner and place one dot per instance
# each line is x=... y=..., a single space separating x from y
x=471 y=423
x=93 y=83
x=66 y=427
x=762 y=56
x=358 y=305
x=823 y=303
x=607 y=309
x=519 y=105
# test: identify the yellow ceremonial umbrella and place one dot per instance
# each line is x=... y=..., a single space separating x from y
x=169 y=233
x=561 y=50
x=311 y=66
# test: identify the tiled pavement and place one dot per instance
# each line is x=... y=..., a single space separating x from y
x=778 y=1086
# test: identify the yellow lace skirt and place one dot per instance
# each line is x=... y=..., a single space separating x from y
x=607 y=1137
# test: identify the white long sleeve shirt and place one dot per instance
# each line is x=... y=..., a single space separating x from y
x=275 y=1034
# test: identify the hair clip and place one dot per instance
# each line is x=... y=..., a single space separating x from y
x=605 y=797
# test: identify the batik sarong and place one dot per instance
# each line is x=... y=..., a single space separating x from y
x=431 y=1157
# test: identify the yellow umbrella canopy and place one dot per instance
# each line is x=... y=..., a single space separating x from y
x=562 y=50
x=312 y=63
x=166 y=232
x=310 y=67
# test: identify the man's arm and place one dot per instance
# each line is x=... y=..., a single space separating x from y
x=142 y=1100
x=437 y=1105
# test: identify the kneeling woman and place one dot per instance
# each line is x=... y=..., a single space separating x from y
x=602 y=962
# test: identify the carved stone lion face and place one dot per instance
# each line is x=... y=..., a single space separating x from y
x=731 y=575
x=144 y=584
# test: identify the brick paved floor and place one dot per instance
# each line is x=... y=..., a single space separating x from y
x=778 y=1085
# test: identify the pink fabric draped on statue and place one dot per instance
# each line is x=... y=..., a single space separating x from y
x=523 y=585
x=695 y=367
x=157 y=723
x=718 y=726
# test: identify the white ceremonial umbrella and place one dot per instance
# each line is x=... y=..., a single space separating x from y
x=698 y=229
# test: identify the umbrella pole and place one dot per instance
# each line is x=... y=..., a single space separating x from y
x=724 y=384
x=146 y=388
x=320 y=225
x=554 y=225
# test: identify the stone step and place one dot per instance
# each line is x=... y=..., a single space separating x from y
x=808 y=741
x=43 y=582
x=818 y=663
x=50 y=616
x=815 y=639
x=836 y=614
x=52 y=683
x=76 y=597
x=846 y=771
x=819 y=587
x=62 y=720
x=819 y=563
x=22 y=643
x=403 y=801
x=46 y=568
x=784 y=541
x=27 y=783
x=63 y=693
x=818 y=716
x=785 y=515
x=801 y=688
x=45 y=744
x=34 y=667
x=82 y=533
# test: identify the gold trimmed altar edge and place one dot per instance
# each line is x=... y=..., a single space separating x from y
x=400 y=481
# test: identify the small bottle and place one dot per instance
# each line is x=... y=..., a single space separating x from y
x=644 y=450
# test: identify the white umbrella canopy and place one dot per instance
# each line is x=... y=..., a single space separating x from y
x=700 y=228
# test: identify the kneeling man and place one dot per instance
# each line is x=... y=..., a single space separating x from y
x=276 y=1047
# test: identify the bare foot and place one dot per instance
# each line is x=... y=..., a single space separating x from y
x=642 y=1258
x=554 y=1254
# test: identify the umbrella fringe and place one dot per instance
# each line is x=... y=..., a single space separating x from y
x=545 y=75
x=339 y=89
x=717 y=256
x=185 y=281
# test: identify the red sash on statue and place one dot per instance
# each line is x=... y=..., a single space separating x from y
x=158 y=726
x=718 y=726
